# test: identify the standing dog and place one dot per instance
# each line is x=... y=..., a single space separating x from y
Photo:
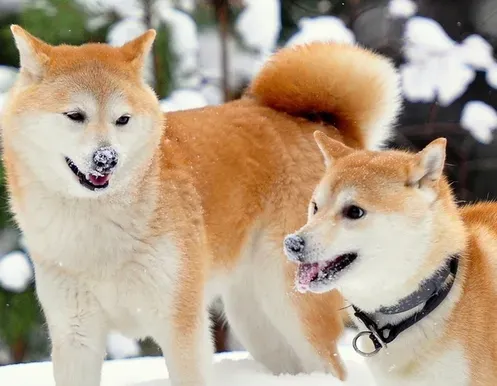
x=419 y=273
x=136 y=219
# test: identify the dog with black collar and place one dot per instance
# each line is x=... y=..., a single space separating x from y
x=418 y=271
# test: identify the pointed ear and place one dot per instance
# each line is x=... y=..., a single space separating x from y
x=33 y=52
x=330 y=148
x=429 y=163
x=137 y=49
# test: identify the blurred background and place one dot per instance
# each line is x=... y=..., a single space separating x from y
x=207 y=51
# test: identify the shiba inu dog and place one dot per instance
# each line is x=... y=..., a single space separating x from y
x=136 y=219
x=419 y=272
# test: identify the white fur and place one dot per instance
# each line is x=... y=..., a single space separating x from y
x=416 y=346
x=262 y=315
x=392 y=250
x=95 y=274
x=43 y=150
x=96 y=267
x=378 y=250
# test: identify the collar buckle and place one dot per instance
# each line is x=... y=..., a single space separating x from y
x=373 y=335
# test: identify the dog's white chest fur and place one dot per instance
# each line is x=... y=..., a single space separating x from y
x=103 y=251
x=449 y=368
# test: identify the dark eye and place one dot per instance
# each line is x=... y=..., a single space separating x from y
x=122 y=120
x=76 y=116
x=314 y=208
x=353 y=212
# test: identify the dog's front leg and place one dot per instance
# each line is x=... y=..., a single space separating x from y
x=76 y=327
x=184 y=334
x=188 y=350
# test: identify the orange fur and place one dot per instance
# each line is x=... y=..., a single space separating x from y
x=389 y=183
x=218 y=179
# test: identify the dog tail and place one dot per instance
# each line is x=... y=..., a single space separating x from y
x=347 y=86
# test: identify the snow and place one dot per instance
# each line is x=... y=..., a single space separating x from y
x=476 y=52
x=8 y=76
x=259 y=24
x=428 y=35
x=183 y=99
x=480 y=120
x=234 y=368
x=438 y=68
x=15 y=271
x=491 y=76
x=183 y=28
x=402 y=8
x=120 y=346
x=123 y=8
x=125 y=30
x=321 y=28
x=184 y=39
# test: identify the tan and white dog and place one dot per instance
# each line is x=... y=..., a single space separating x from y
x=419 y=272
x=136 y=219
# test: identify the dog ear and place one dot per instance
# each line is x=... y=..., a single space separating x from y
x=137 y=49
x=33 y=52
x=330 y=148
x=429 y=163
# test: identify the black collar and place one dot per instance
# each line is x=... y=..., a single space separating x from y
x=432 y=292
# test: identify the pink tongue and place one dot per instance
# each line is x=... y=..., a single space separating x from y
x=306 y=273
x=99 y=180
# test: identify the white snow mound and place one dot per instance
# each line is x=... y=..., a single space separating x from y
x=234 y=368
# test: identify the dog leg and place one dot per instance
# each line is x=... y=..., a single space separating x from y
x=183 y=332
x=322 y=325
x=76 y=328
x=256 y=332
x=187 y=347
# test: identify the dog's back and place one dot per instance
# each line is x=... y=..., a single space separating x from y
x=473 y=321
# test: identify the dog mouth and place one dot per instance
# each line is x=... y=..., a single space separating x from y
x=92 y=180
x=311 y=276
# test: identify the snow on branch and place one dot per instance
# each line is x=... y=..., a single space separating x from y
x=16 y=272
x=322 y=28
x=259 y=24
x=402 y=8
x=480 y=120
x=438 y=68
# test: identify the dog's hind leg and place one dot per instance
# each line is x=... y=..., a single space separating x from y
x=256 y=333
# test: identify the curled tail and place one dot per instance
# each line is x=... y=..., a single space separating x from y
x=356 y=89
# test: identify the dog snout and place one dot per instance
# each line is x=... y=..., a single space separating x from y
x=294 y=247
x=105 y=159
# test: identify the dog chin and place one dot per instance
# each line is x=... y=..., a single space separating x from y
x=317 y=287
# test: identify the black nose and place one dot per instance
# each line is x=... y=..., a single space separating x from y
x=105 y=159
x=294 y=246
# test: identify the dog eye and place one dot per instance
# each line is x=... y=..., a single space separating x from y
x=314 y=208
x=75 y=116
x=122 y=120
x=353 y=212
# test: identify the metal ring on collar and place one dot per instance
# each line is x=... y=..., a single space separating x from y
x=369 y=334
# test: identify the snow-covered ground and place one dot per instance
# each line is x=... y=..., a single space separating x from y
x=235 y=368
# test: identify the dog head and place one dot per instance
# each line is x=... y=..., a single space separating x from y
x=81 y=119
x=372 y=221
